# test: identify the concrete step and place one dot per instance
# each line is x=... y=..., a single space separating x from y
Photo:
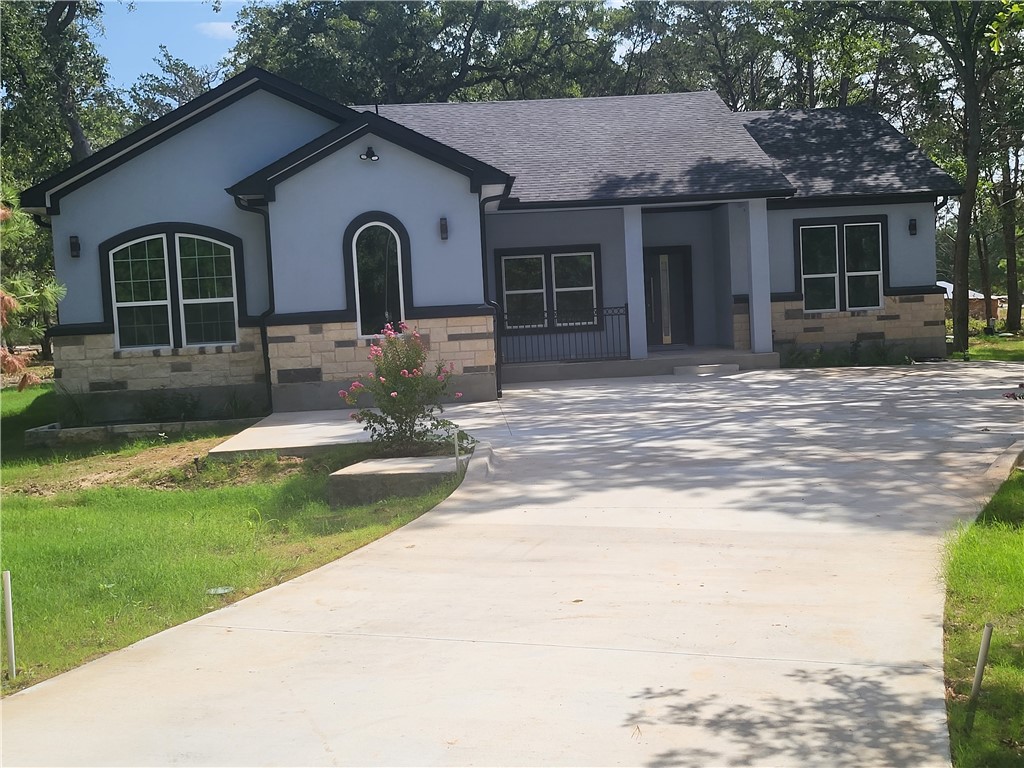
x=715 y=369
x=377 y=479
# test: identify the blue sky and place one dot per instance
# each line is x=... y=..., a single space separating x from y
x=190 y=29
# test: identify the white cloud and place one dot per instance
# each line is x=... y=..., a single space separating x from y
x=220 y=30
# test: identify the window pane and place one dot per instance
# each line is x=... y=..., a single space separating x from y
x=574 y=270
x=140 y=272
x=205 y=269
x=212 y=323
x=523 y=273
x=525 y=310
x=378 y=279
x=862 y=292
x=143 y=326
x=575 y=308
x=819 y=293
x=863 y=248
x=818 y=250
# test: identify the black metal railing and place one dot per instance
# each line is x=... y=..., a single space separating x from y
x=551 y=337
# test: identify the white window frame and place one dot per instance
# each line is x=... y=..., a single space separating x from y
x=848 y=274
x=118 y=304
x=834 y=275
x=182 y=301
x=577 y=289
x=543 y=290
x=355 y=275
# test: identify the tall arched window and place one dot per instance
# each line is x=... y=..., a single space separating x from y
x=377 y=262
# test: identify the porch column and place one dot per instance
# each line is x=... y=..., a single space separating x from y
x=760 y=278
x=633 y=234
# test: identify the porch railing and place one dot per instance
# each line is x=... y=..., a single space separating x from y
x=550 y=337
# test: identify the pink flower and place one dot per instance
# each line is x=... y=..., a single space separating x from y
x=342 y=393
x=357 y=385
x=440 y=378
x=405 y=373
x=383 y=380
x=458 y=395
x=394 y=394
x=402 y=327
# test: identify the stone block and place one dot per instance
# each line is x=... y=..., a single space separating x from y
x=369 y=482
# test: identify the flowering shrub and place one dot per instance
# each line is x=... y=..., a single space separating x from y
x=407 y=396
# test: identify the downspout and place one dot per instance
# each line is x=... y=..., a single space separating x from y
x=264 y=342
x=495 y=307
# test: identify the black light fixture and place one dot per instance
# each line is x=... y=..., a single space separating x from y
x=444 y=228
x=913 y=226
x=369 y=154
x=76 y=247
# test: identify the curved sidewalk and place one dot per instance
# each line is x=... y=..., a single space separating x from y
x=660 y=572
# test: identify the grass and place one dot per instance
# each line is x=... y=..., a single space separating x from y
x=985 y=583
x=996 y=348
x=108 y=545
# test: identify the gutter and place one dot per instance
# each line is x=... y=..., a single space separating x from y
x=264 y=342
x=495 y=307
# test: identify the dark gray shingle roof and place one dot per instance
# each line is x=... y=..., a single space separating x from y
x=675 y=146
x=845 y=152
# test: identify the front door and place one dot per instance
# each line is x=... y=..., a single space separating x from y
x=668 y=291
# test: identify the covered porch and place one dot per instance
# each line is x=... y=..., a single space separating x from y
x=631 y=290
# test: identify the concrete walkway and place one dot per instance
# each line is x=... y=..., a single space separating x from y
x=660 y=572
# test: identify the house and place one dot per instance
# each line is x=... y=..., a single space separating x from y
x=976 y=304
x=248 y=245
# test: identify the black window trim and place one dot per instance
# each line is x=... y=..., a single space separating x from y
x=348 y=255
x=839 y=222
x=548 y=252
x=170 y=230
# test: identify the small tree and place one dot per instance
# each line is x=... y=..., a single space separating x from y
x=407 y=395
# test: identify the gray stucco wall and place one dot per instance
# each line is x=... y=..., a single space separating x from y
x=544 y=229
x=911 y=257
x=313 y=208
x=182 y=179
x=723 y=275
x=696 y=230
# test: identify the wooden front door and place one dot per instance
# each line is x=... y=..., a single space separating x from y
x=668 y=293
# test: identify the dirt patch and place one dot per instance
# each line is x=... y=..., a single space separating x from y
x=175 y=465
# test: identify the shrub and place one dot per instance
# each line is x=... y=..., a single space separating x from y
x=407 y=396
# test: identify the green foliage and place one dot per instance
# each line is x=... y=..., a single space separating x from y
x=19 y=411
x=856 y=354
x=154 y=96
x=985 y=584
x=406 y=394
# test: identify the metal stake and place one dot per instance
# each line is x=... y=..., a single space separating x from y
x=979 y=671
x=9 y=624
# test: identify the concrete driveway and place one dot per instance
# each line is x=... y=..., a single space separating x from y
x=660 y=572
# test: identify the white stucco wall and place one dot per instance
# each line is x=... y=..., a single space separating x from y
x=313 y=208
x=182 y=179
x=911 y=257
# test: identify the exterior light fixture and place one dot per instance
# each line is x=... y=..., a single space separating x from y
x=444 y=228
x=76 y=247
x=913 y=226
x=369 y=154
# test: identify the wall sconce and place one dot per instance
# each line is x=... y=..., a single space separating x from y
x=444 y=228
x=76 y=247
x=913 y=226
x=369 y=154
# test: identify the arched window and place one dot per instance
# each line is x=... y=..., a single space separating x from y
x=377 y=262
x=173 y=285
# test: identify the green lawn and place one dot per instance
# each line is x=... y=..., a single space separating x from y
x=112 y=544
x=996 y=348
x=985 y=583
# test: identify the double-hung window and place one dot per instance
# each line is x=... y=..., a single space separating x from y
x=173 y=289
x=840 y=264
x=550 y=288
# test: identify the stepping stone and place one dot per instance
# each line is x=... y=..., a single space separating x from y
x=717 y=369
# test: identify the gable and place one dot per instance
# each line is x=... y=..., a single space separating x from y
x=45 y=197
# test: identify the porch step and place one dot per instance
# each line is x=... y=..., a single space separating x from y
x=714 y=369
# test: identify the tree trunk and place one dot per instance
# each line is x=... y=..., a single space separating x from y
x=962 y=248
x=58 y=19
x=1008 y=219
x=983 y=262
